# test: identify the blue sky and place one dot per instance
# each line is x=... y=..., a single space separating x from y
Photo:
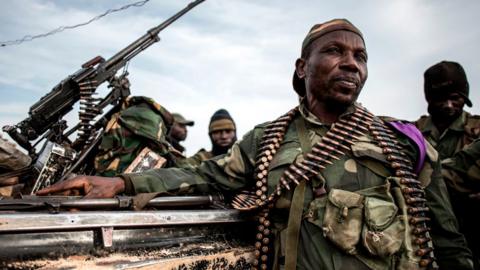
x=235 y=54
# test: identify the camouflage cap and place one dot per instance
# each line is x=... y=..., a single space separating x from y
x=181 y=120
x=446 y=76
x=315 y=32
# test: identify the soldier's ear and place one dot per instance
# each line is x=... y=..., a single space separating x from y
x=300 y=67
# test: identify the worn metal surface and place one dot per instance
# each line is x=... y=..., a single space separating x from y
x=19 y=222
x=28 y=202
x=181 y=239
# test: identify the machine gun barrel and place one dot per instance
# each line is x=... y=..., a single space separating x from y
x=49 y=110
x=146 y=40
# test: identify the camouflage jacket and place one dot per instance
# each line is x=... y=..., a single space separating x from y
x=466 y=163
x=140 y=123
x=456 y=137
x=200 y=156
x=364 y=167
x=460 y=133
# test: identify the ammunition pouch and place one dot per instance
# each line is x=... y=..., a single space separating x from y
x=368 y=217
x=383 y=230
x=342 y=223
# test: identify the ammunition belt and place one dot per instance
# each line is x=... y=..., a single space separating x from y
x=87 y=112
x=331 y=147
x=412 y=191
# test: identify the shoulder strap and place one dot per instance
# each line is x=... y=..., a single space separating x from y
x=296 y=208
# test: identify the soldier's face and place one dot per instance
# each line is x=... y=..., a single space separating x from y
x=335 y=70
x=446 y=106
x=179 y=131
x=223 y=138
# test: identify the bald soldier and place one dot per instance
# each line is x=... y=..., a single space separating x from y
x=335 y=187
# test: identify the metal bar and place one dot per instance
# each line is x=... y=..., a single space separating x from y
x=149 y=38
x=22 y=222
x=29 y=201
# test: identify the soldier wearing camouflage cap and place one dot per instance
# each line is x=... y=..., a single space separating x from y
x=449 y=128
x=178 y=132
x=335 y=187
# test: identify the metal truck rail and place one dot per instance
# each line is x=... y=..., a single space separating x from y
x=143 y=238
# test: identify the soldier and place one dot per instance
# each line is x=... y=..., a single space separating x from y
x=450 y=129
x=178 y=132
x=462 y=171
x=223 y=135
x=139 y=128
x=335 y=186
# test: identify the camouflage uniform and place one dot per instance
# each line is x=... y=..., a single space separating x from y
x=454 y=139
x=365 y=166
x=459 y=134
x=200 y=156
x=140 y=123
x=466 y=164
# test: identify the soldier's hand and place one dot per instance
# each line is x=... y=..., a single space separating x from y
x=90 y=186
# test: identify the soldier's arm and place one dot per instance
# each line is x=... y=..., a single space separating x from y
x=225 y=172
x=466 y=163
x=196 y=159
x=450 y=246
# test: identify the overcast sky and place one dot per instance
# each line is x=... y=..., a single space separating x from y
x=234 y=54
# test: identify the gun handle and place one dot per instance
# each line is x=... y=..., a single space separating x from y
x=19 y=138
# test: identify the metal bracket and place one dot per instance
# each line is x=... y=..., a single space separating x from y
x=124 y=201
x=104 y=237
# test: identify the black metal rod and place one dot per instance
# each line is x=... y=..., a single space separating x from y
x=149 y=38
